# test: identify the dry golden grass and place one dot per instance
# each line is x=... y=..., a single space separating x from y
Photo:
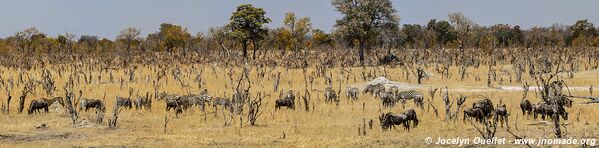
x=326 y=126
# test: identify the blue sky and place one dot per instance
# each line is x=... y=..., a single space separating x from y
x=105 y=18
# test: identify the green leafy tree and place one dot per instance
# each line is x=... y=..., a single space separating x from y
x=321 y=38
x=173 y=36
x=444 y=31
x=246 y=25
x=363 y=20
x=582 y=33
x=413 y=33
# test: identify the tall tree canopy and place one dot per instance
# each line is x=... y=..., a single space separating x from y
x=246 y=25
x=173 y=36
x=363 y=19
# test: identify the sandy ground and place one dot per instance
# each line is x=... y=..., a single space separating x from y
x=324 y=125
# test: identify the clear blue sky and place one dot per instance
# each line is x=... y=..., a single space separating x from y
x=105 y=18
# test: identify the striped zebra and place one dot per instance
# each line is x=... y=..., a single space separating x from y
x=412 y=94
x=352 y=93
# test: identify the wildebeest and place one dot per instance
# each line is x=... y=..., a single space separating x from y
x=283 y=102
x=91 y=103
x=475 y=113
x=411 y=114
x=330 y=95
x=412 y=94
x=173 y=103
x=549 y=110
x=123 y=102
x=352 y=93
x=143 y=102
x=36 y=105
x=526 y=107
x=374 y=89
x=389 y=120
x=501 y=114
x=287 y=101
x=485 y=105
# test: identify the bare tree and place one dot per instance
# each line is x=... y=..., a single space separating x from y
x=129 y=37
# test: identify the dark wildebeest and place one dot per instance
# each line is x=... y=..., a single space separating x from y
x=287 y=101
x=526 y=107
x=501 y=115
x=91 y=103
x=549 y=110
x=486 y=106
x=173 y=103
x=352 y=93
x=283 y=102
x=475 y=113
x=412 y=116
x=389 y=120
x=330 y=95
x=123 y=102
x=36 y=105
x=374 y=89
x=411 y=95
x=143 y=102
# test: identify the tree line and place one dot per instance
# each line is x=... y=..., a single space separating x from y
x=364 y=25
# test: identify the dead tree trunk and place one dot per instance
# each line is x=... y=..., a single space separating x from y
x=432 y=92
x=448 y=104
x=22 y=103
x=72 y=110
x=254 y=111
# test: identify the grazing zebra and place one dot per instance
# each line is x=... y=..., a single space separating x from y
x=374 y=89
x=388 y=99
x=412 y=94
x=226 y=103
x=352 y=93
x=394 y=90
x=143 y=102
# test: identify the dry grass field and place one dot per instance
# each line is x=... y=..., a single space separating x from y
x=324 y=125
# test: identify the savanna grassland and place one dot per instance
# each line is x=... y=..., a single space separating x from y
x=323 y=125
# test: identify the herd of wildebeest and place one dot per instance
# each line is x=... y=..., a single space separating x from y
x=481 y=110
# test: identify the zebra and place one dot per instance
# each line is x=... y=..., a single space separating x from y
x=352 y=93
x=374 y=89
x=226 y=103
x=412 y=95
